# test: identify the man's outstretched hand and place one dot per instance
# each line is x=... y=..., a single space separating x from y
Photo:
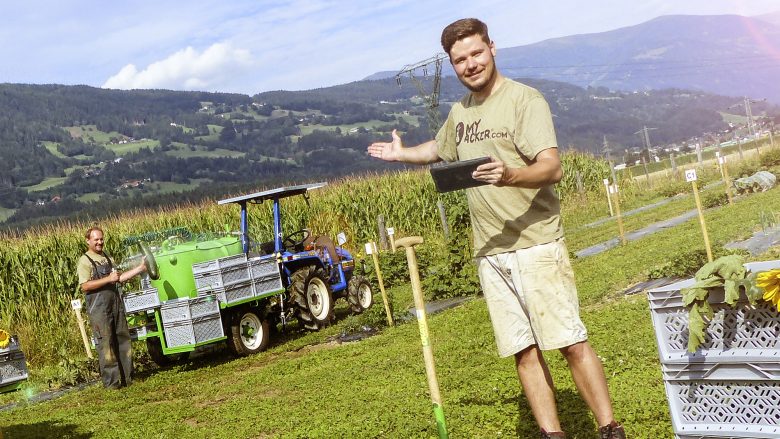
x=388 y=151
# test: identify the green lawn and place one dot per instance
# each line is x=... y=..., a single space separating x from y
x=46 y=184
x=134 y=146
x=185 y=152
x=90 y=197
x=52 y=147
x=6 y=213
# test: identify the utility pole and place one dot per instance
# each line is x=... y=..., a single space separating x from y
x=608 y=153
x=432 y=98
x=646 y=138
x=746 y=101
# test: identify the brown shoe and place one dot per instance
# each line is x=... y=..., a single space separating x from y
x=552 y=435
x=613 y=430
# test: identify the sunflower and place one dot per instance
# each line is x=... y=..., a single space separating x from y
x=769 y=281
x=5 y=339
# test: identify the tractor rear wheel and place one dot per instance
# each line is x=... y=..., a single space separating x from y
x=359 y=295
x=312 y=296
x=154 y=348
x=249 y=333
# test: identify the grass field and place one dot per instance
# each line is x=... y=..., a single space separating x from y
x=310 y=385
x=52 y=147
x=184 y=152
x=6 y=213
x=46 y=184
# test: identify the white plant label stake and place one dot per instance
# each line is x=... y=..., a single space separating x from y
x=609 y=199
x=76 y=305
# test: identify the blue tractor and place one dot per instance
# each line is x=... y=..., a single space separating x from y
x=315 y=271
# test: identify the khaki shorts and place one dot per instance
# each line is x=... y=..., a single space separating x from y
x=532 y=299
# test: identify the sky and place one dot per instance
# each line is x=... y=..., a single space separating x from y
x=251 y=46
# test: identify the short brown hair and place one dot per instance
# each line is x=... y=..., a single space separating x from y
x=92 y=229
x=458 y=30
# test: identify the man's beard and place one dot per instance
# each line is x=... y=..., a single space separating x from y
x=481 y=87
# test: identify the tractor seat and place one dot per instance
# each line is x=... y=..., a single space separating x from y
x=325 y=242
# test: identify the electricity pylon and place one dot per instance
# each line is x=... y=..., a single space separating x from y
x=432 y=98
x=746 y=101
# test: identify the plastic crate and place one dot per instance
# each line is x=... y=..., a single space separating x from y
x=185 y=308
x=263 y=267
x=232 y=293
x=179 y=334
x=13 y=367
x=216 y=264
x=137 y=301
x=221 y=277
x=744 y=333
x=175 y=310
x=207 y=328
x=203 y=306
x=141 y=332
x=267 y=285
x=13 y=345
x=725 y=408
x=190 y=332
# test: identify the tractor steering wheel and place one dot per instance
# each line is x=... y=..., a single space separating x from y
x=150 y=262
x=296 y=245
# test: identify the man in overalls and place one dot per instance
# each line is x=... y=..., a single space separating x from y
x=99 y=281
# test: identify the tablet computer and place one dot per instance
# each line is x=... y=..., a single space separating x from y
x=454 y=176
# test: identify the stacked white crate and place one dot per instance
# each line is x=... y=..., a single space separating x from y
x=236 y=278
x=189 y=321
x=730 y=387
x=143 y=300
x=13 y=365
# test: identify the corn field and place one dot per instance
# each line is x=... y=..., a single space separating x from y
x=38 y=277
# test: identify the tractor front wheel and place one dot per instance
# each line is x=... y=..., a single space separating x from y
x=249 y=333
x=312 y=297
x=359 y=294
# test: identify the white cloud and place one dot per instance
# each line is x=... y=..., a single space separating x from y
x=187 y=69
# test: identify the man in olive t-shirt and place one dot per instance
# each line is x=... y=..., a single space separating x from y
x=522 y=259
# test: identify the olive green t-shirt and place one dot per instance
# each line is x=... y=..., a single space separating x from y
x=84 y=267
x=513 y=125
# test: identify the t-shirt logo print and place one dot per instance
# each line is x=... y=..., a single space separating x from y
x=459 y=130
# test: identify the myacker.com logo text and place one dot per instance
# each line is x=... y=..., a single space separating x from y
x=471 y=133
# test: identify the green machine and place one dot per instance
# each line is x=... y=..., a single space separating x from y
x=201 y=290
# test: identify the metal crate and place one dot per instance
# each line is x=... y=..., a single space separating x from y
x=13 y=367
x=137 y=301
x=216 y=264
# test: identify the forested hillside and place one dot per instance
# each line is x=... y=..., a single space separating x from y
x=77 y=150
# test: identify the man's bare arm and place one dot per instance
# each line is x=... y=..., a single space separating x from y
x=394 y=151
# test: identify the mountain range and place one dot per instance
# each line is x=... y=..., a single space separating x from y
x=728 y=55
